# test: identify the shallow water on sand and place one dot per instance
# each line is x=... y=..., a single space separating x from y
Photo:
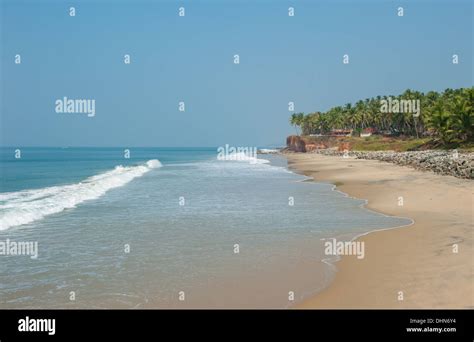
x=148 y=234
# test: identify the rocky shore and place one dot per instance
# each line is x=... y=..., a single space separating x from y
x=457 y=164
x=444 y=162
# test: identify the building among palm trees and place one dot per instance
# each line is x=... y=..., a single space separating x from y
x=340 y=133
x=367 y=132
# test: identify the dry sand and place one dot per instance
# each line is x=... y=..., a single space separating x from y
x=418 y=259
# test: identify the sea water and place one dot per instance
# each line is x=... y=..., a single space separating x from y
x=167 y=228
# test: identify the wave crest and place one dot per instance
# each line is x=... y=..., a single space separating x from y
x=26 y=206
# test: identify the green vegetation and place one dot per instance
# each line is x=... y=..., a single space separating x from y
x=378 y=143
x=381 y=144
x=440 y=120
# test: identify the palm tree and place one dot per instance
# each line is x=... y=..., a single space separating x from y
x=462 y=111
x=449 y=114
x=297 y=120
x=440 y=121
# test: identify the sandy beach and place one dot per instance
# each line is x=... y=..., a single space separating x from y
x=419 y=260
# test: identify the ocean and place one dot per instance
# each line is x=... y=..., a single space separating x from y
x=167 y=228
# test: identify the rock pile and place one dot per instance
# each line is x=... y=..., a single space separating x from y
x=457 y=164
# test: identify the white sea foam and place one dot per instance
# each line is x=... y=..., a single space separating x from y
x=26 y=206
x=241 y=156
x=154 y=164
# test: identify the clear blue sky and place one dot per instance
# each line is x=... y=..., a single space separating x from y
x=190 y=58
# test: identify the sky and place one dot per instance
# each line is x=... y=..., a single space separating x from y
x=191 y=59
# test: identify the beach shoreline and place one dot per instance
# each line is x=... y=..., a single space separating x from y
x=427 y=264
